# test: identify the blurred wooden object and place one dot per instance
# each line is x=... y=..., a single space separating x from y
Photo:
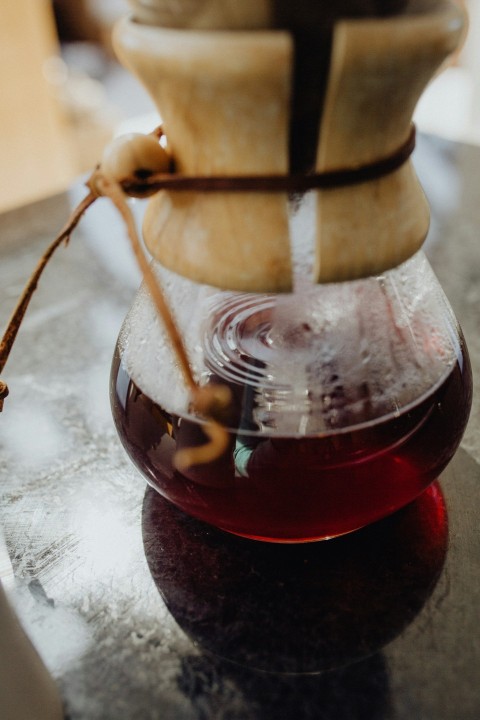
x=35 y=159
x=379 y=70
x=224 y=100
x=195 y=15
x=255 y=14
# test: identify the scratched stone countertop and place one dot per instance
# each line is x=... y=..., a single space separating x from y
x=142 y=613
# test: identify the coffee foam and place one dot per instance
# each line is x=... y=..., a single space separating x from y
x=321 y=358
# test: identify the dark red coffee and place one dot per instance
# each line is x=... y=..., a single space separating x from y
x=297 y=489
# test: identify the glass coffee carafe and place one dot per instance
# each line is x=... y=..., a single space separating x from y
x=348 y=375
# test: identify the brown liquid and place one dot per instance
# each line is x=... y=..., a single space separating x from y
x=296 y=489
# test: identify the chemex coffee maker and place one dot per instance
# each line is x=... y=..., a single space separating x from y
x=288 y=246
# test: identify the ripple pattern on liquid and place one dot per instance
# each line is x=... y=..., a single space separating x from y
x=236 y=339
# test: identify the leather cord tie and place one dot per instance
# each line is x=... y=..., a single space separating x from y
x=274 y=183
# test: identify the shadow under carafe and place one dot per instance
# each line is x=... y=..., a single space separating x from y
x=296 y=608
x=360 y=691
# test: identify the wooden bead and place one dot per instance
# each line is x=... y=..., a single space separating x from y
x=132 y=155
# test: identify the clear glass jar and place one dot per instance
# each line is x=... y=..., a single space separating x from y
x=349 y=399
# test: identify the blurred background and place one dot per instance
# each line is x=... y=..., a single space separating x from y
x=63 y=95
